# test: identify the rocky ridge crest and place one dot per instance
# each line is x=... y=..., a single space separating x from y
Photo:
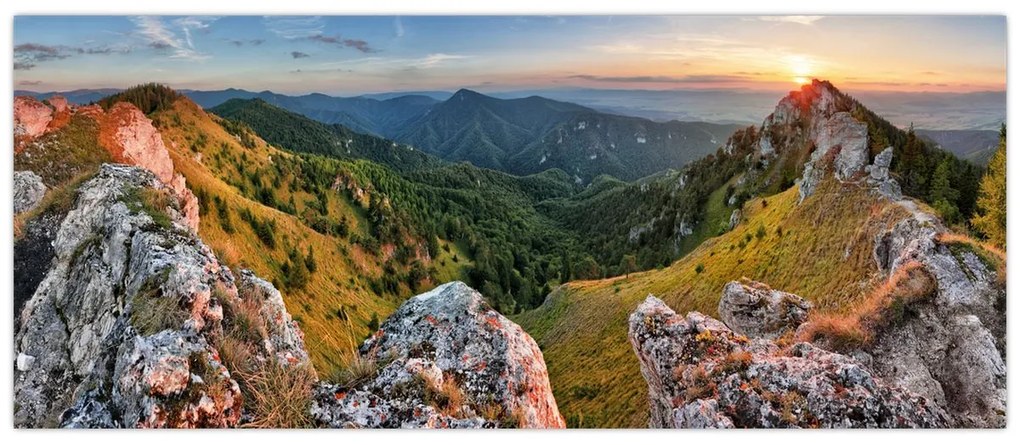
x=120 y=332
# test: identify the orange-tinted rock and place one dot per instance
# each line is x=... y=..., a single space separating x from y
x=61 y=112
x=31 y=118
x=131 y=138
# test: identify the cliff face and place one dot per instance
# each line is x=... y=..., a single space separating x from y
x=446 y=359
x=120 y=332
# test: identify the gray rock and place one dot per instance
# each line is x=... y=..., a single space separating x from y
x=28 y=191
x=755 y=310
x=734 y=217
x=952 y=349
x=123 y=319
x=447 y=339
x=702 y=374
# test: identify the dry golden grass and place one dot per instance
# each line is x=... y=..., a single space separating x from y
x=277 y=396
x=823 y=253
x=884 y=306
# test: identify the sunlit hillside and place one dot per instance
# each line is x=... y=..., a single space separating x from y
x=820 y=249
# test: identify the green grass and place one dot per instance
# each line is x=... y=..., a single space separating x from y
x=823 y=254
x=446 y=268
x=717 y=214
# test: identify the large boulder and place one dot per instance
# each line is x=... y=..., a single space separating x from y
x=446 y=359
x=122 y=328
x=756 y=310
x=28 y=191
x=701 y=374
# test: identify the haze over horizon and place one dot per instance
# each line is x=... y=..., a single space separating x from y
x=358 y=55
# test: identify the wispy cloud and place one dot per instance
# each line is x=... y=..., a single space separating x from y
x=174 y=38
x=298 y=54
x=432 y=60
x=29 y=83
x=712 y=78
x=240 y=43
x=799 y=19
x=29 y=55
x=357 y=44
x=293 y=27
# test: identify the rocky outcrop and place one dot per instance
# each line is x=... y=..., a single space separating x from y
x=878 y=175
x=754 y=309
x=446 y=360
x=734 y=217
x=952 y=350
x=284 y=339
x=701 y=374
x=121 y=331
x=31 y=118
x=131 y=138
x=28 y=191
x=125 y=132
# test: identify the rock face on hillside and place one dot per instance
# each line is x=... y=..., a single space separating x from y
x=447 y=360
x=701 y=374
x=31 y=118
x=120 y=332
x=131 y=138
x=756 y=310
x=953 y=350
x=28 y=191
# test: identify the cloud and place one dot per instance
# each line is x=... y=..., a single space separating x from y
x=291 y=28
x=357 y=44
x=240 y=43
x=298 y=54
x=799 y=19
x=175 y=38
x=29 y=55
x=432 y=60
x=29 y=83
x=710 y=78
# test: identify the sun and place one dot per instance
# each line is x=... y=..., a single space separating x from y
x=801 y=67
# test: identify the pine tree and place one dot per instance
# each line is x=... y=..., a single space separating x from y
x=941 y=193
x=991 y=204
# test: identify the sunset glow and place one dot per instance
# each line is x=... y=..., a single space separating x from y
x=348 y=55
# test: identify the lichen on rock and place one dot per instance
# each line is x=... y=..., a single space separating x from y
x=702 y=374
x=120 y=331
x=446 y=359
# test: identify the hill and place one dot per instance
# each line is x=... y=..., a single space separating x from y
x=528 y=135
x=295 y=132
x=381 y=115
x=976 y=146
x=807 y=223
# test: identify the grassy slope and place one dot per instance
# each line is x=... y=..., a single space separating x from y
x=340 y=281
x=824 y=254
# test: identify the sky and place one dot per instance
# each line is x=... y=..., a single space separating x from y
x=354 y=55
